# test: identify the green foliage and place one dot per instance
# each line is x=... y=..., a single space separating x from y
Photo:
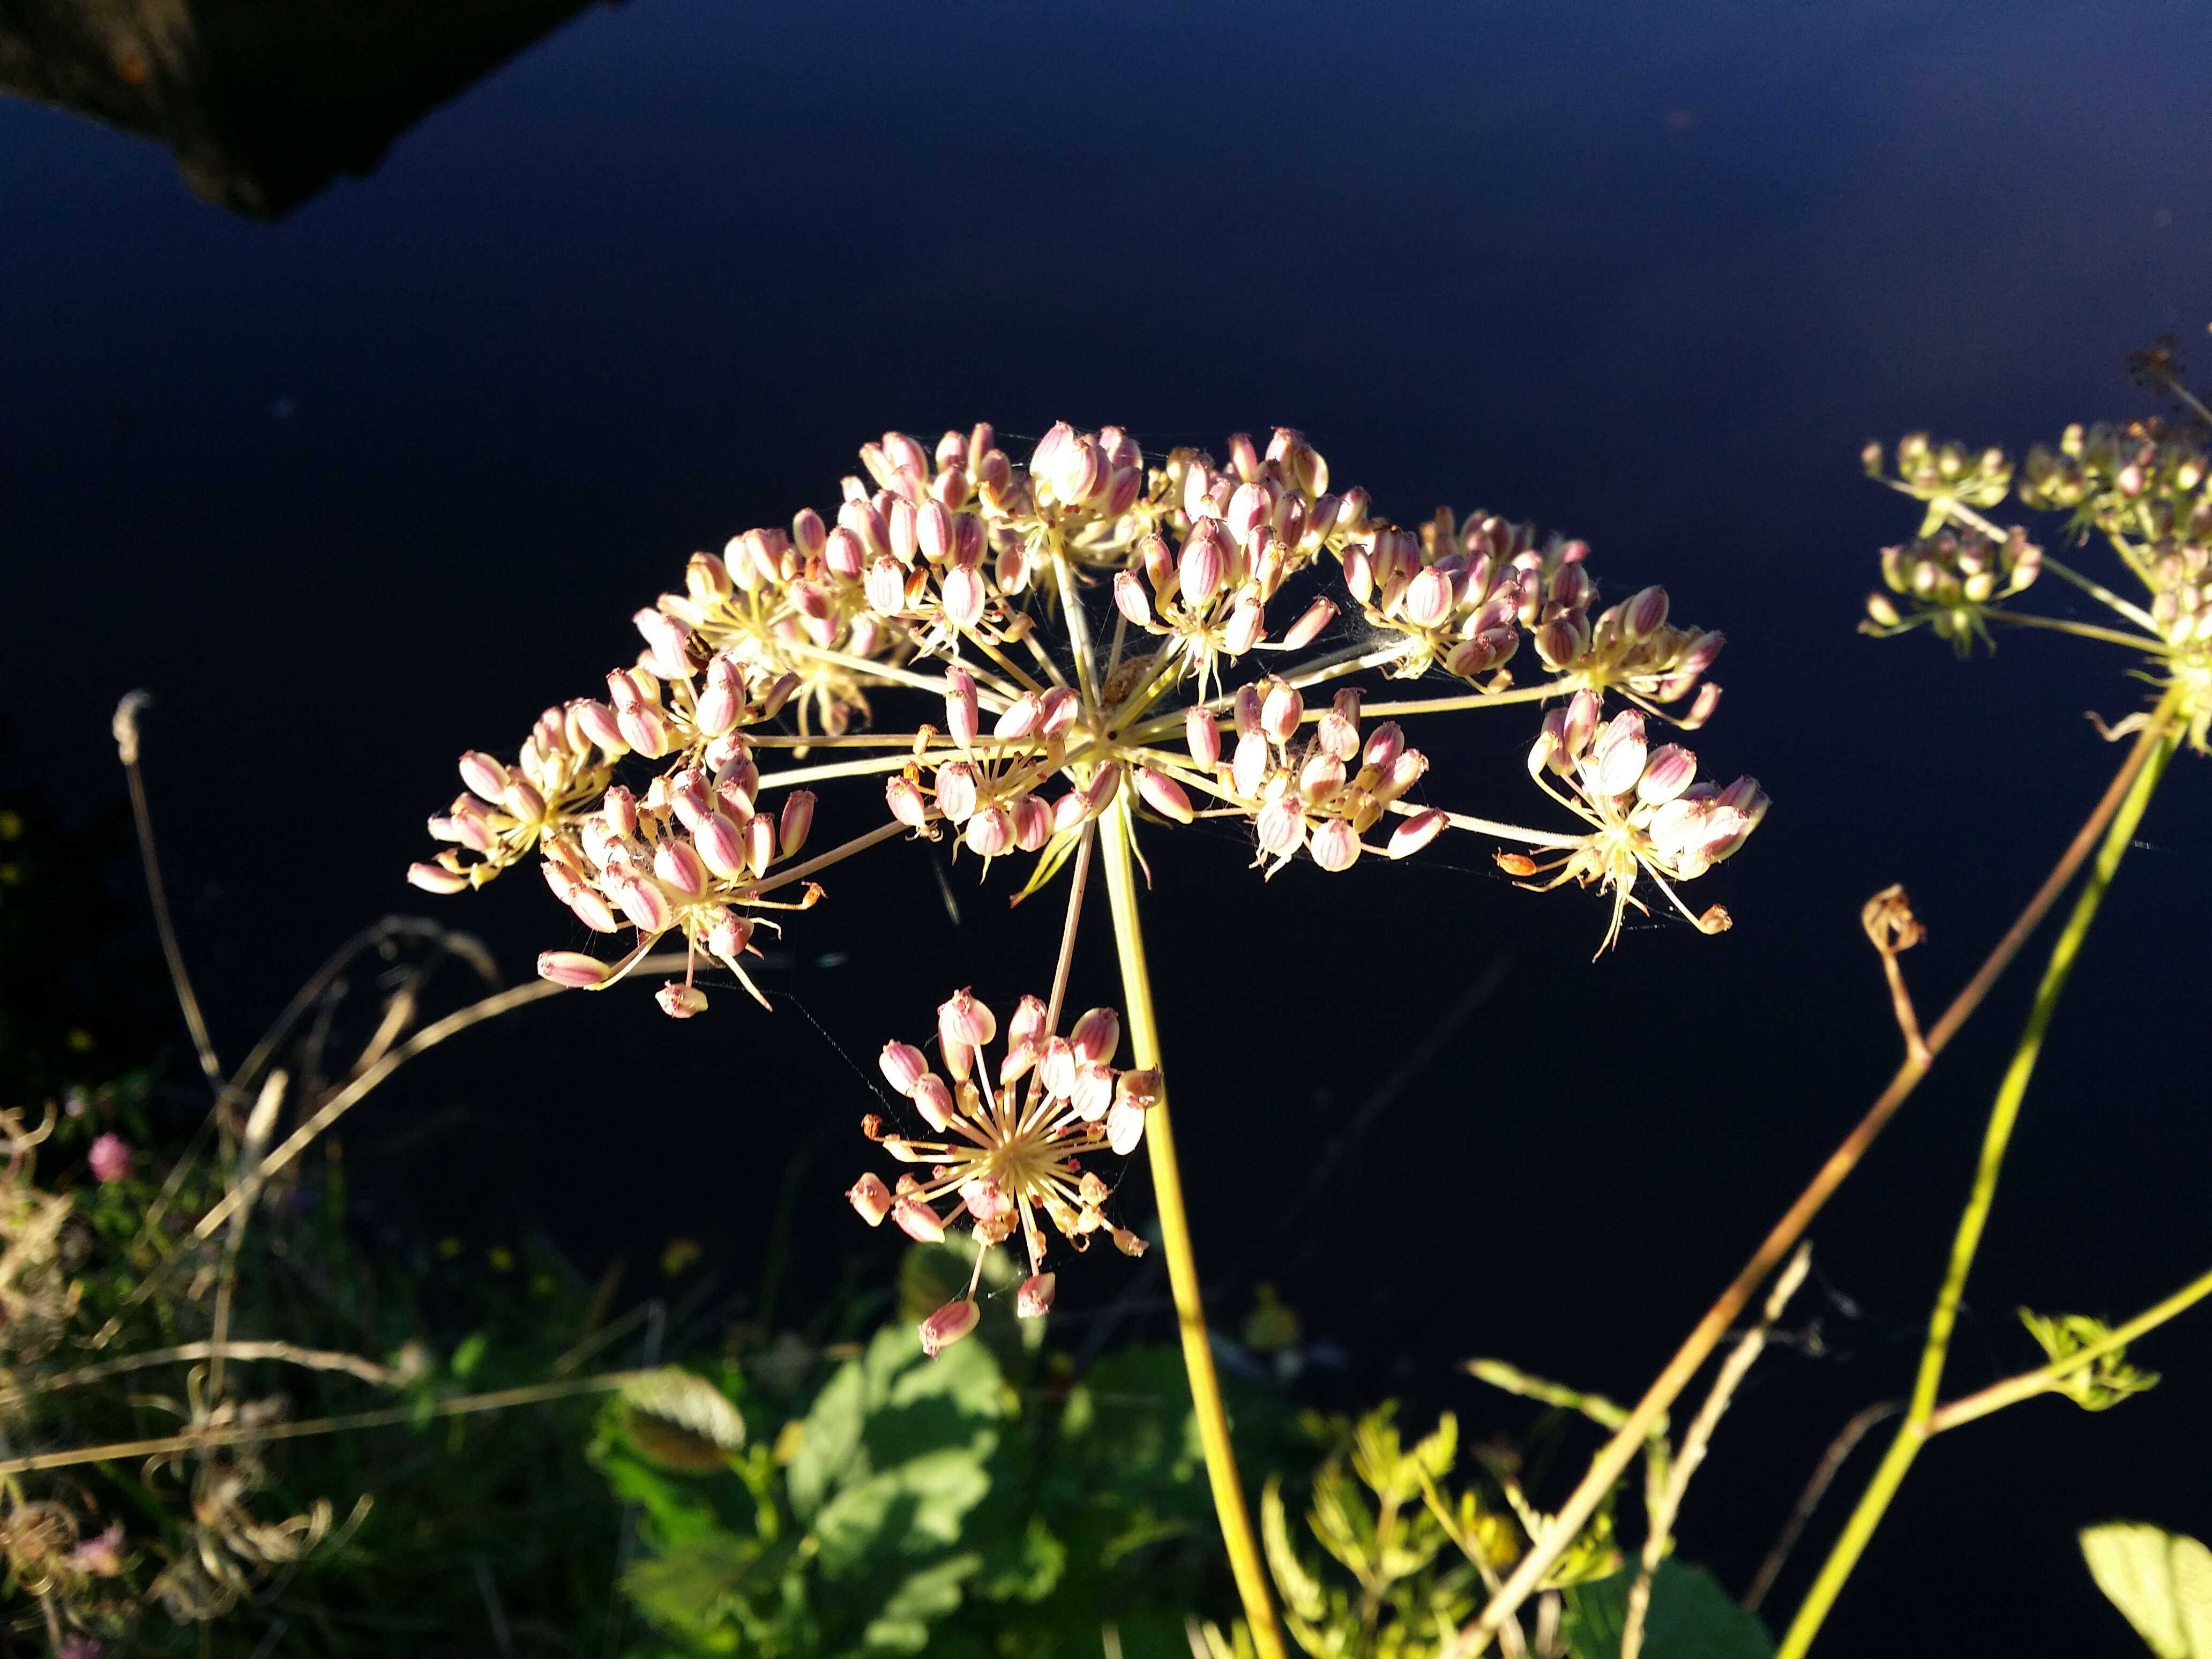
x=2106 y=1380
x=913 y=1502
x=2162 y=1583
x=1692 y=1617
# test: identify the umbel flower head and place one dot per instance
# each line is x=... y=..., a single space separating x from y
x=1016 y=1138
x=2141 y=491
x=1089 y=631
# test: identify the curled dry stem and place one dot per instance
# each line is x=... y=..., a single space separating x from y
x=1614 y=1458
x=1894 y=929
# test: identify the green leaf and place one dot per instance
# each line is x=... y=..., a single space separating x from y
x=469 y=1354
x=681 y=1421
x=2162 y=1583
x=2106 y=1380
x=1690 y=1617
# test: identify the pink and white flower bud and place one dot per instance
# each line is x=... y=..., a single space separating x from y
x=845 y=554
x=679 y=866
x=597 y=721
x=948 y=1324
x=1701 y=710
x=990 y=832
x=933 y=535
x=1428 y=598
x=619 y=807
x=1092 y=1095
x=899 y=528
x=483 y=774
x=1338 y=733
x=109 y=1157
x=729 y=936
x=1159 y=566
x=1280 y=710
x=1061 y=708
x=1359 y=573
x=645 y=729
x=690 y=796
x=1164 y=795
x=573 y=969
x=1644 y=614
x=591 y=909
x=1249 y=767
x=642 y=902
x=680 y=1001
x=1022 y=716
x=918 y=1221
x=1250 y=508
x=1307 y=628
x=1617 y=755
x=778 y=695
x=1028 y=1024
x=723 y=700
x=904 y=798
x=1384 y=745
x=986 y=1198
x=960 y=707
x=721 y=846
x=1098 y=793
x=962 y=1019
x=904 y=1066
x=1562 y=641
x=1069 y=811
x=435 y=878
x=1335 y=845
x=1129 y=599
x=1246 y=625
x=1281 y=828
x=1034 y=1299
x=885 y=588
x=795 y=821
x=808 y=534
x=1201 y=732
x=1033 y=822
x=1584 y=710
x=667 y=642
x=1416 y=832
x=760 y=843
x=1096 y=1035
x=932 y=1098
x=1669 y=770
x=955 y=791
x=871 y=1199
x=1198 y=574
x=1322 y=776
x=961 y=595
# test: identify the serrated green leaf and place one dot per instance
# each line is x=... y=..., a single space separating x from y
x=2162 y=1583
x=1690 y=1617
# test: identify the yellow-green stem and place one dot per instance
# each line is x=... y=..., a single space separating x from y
x=1183 y=1265
x=2004 y=1113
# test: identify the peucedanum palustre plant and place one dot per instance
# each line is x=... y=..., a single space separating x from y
x=1086 y=629
x=2143 y=491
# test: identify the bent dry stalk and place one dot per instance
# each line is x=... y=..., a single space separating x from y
x=2004 y=1113
x=2146 y=493
x=954 y=572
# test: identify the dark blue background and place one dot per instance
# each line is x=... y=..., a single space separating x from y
x=355 y=491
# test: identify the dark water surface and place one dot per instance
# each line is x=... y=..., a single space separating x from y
x=359 y=487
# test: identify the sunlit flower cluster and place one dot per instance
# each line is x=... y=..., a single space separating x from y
x=2143 y=489
x=955 y=573
x=1016 y=1142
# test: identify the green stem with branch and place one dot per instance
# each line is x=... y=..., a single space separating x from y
x=1614 y=1458
x=2004 y=1115
x=1175 y=1239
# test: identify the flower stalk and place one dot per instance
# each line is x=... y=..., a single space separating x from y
x=2005 y=1115
x=1183 y=1262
